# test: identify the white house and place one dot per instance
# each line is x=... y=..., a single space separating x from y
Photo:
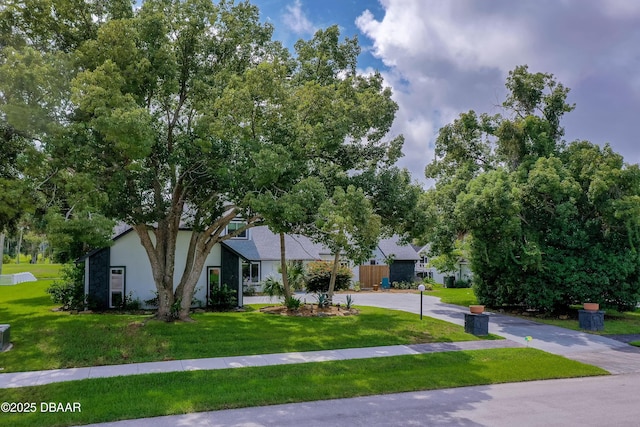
x=123 y=269
x=423 y=269
x=247 y=260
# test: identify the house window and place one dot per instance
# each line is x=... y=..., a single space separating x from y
x=233 y=226
x=214 y=277
x=250 y=272
x=116 y=286
x=372 y=262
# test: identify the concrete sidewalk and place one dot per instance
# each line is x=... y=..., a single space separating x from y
x=23 y=379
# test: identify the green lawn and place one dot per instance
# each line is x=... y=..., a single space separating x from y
x=117 y=398
x=41 y=271
x=458 y=296
x=44 y=339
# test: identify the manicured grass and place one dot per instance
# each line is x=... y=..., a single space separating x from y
x=44 y=339
x=635 y=343
x=140 y=396
x=457 y=296
x=614 y=322
x=41 y=271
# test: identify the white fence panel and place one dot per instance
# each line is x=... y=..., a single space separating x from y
x=14 y=279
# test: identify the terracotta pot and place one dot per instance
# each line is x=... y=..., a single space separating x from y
x=476 y=309
x=375 y=287
x=591 y=306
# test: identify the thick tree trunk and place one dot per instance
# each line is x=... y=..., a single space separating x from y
x=162 y=254
x=1 y=250
x=283 y=268
x=162 y=260
x=334 y=273
x=19 y=248
x=200 y=245
x=193 y=269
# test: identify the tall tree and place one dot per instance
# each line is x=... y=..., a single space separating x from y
x=186 y=113
x=347 y=225
x=551 y=223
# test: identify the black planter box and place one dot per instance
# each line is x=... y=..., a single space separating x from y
x=476 y=324
x=591 y=320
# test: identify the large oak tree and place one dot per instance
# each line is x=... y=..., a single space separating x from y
x=187 y=114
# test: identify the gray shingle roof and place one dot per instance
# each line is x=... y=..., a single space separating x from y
x=391 y=246
x=264 y=245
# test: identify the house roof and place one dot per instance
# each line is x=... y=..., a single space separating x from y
x=400 y=252
x=264 y=245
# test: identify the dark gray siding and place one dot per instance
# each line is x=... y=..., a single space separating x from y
x=99 y=278
x=231 y=272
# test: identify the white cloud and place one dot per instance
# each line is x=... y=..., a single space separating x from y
x=296 y=19
x=446 y=57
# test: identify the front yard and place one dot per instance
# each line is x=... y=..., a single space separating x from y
x=44 y=339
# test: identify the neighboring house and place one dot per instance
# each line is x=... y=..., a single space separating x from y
x=463 y=270
x=400 y=258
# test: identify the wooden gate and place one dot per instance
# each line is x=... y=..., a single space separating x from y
x=372 y=275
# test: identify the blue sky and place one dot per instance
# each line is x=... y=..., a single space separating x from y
x=445 y=57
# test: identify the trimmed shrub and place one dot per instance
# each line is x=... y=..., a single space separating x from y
x=404 y=285
x=223 y=298
x=319 y=275
x=461 y=284
x=70 y=290
x=428 y=280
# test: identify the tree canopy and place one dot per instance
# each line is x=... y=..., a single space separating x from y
x=187 y=114
x=550 y=223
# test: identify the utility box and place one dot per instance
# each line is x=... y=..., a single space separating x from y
x=5 y=337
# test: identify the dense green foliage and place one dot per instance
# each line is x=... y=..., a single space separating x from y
x=223 y=298
x=69 y=290
x=319 y=275
x=549 y=224
x=273 y=287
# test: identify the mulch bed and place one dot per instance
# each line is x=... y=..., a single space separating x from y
x=311 y=310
